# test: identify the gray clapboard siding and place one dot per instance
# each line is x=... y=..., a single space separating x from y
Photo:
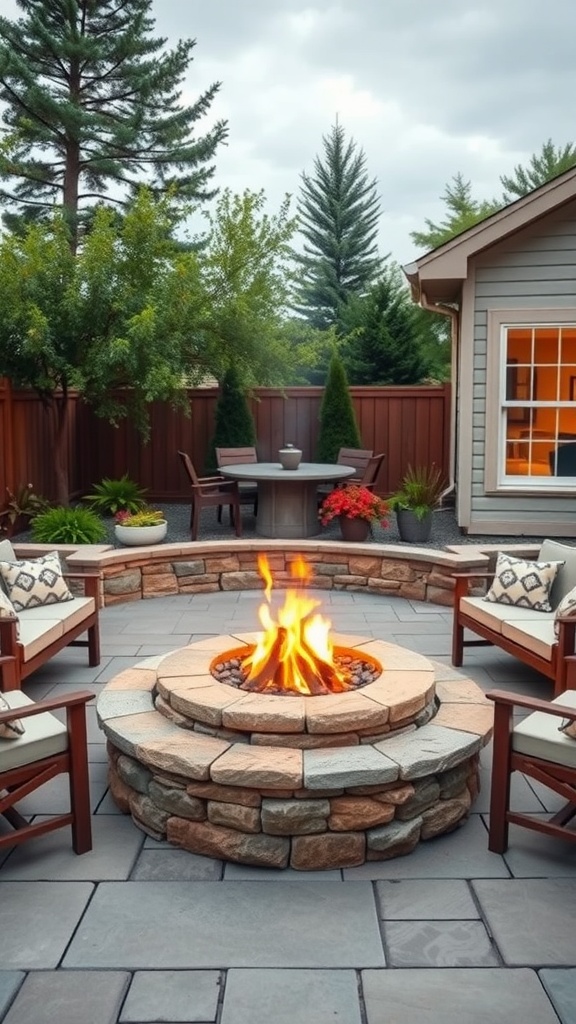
x=536 y=270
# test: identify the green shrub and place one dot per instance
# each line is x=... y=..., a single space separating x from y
x=338 y=427
x=420 y=490
x=68 y=526
x=110 y=496
x=234 y=421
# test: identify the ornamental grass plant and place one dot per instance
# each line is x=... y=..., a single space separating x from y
x=354 y=502
x=144 y=517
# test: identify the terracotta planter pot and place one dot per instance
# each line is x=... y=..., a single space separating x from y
x=354 y=529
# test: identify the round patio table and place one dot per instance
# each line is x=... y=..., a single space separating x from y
x=287 y=498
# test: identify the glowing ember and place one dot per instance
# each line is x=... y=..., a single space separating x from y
x=295 y=653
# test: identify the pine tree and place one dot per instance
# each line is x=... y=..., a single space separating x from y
x=93 y=109
x=463 y=211
x=387 y=338
x=542 y=167
x=234 y=423
x=338 y=426
x=339 y=210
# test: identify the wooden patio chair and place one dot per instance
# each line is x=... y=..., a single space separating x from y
x=357 y=457
x=45 y=748
x=236 y=457
x=370 y=474
x=210 y=491
x=536 y=747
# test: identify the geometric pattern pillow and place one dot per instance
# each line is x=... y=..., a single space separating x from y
x=567 y=607
x=10 y=730
x=523 y=584
x=34 y=582
x=6 y=606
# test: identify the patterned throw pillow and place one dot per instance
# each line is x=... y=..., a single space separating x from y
x=10 y=730
x=34 y=582
x=567 y=606
x=523 y=584
x=6 y=606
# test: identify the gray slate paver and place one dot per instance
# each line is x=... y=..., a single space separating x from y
x=291 y=997
x=51 y=857
x=460 y=854
x=58 y=997
x=235 y=924
x=533 y=921
x=456 y=996
x=561 y=987
x=38 y=920
x=175 y=996
x=438 y=944
x=10 y=982
x=417 y=900
x=175 y=866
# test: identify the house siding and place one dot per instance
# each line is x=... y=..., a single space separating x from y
x=535 y=270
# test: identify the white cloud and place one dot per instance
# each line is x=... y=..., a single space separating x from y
x=427 y=90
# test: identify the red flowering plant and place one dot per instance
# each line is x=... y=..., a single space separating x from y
x=354 y=502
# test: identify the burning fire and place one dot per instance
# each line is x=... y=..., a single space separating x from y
x=295 y=653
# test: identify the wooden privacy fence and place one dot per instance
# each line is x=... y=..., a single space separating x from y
x=408 y=424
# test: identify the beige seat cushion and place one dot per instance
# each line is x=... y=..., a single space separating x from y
x=44 y=736
x=537 y=637
x=494 y=615
x=39 y=627
x=539 y=735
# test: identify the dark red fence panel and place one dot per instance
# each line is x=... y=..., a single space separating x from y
x=408 y=424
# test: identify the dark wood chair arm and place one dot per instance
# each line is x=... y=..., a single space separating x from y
x=462 y=582
x=91 y=582
x=531 y=703
x=50 y=704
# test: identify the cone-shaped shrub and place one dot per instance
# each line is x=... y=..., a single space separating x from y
x=234 y=422
x=338 y=426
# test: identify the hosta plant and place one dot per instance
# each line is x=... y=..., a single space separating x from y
x=112 y=496
x=63 y=525
x=354 y=502
x=145 y=517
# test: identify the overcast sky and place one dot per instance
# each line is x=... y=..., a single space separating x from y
x=425 y=89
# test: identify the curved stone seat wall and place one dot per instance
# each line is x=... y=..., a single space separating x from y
x=130 y=574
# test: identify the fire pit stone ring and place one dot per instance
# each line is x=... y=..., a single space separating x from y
x=308 y=782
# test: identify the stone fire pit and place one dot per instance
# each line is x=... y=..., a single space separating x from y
x=306 y=782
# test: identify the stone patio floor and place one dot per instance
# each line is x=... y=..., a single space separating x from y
x=136 y=931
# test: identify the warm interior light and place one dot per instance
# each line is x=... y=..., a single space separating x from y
x=295 y=653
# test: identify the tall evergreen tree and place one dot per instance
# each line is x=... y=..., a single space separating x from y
x=542 y=167
x=92 y=108
x=462 y=212
x=234 y=423
x=338 y=425
x=339 y=210
x=388 y=342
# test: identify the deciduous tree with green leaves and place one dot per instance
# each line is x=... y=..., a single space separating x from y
x=338 y=212
x=111 y=322
x=245 y=263
x=93 y=109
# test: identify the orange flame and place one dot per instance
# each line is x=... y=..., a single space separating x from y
x=295 y=652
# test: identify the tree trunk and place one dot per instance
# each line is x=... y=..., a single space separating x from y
x=61 y=408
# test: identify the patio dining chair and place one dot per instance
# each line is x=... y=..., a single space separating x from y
x=35 y=747
x=360 y=459
x=210 y=491
x=235 y=457
x=538 y=747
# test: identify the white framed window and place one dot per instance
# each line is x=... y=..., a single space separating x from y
x=537 y=404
